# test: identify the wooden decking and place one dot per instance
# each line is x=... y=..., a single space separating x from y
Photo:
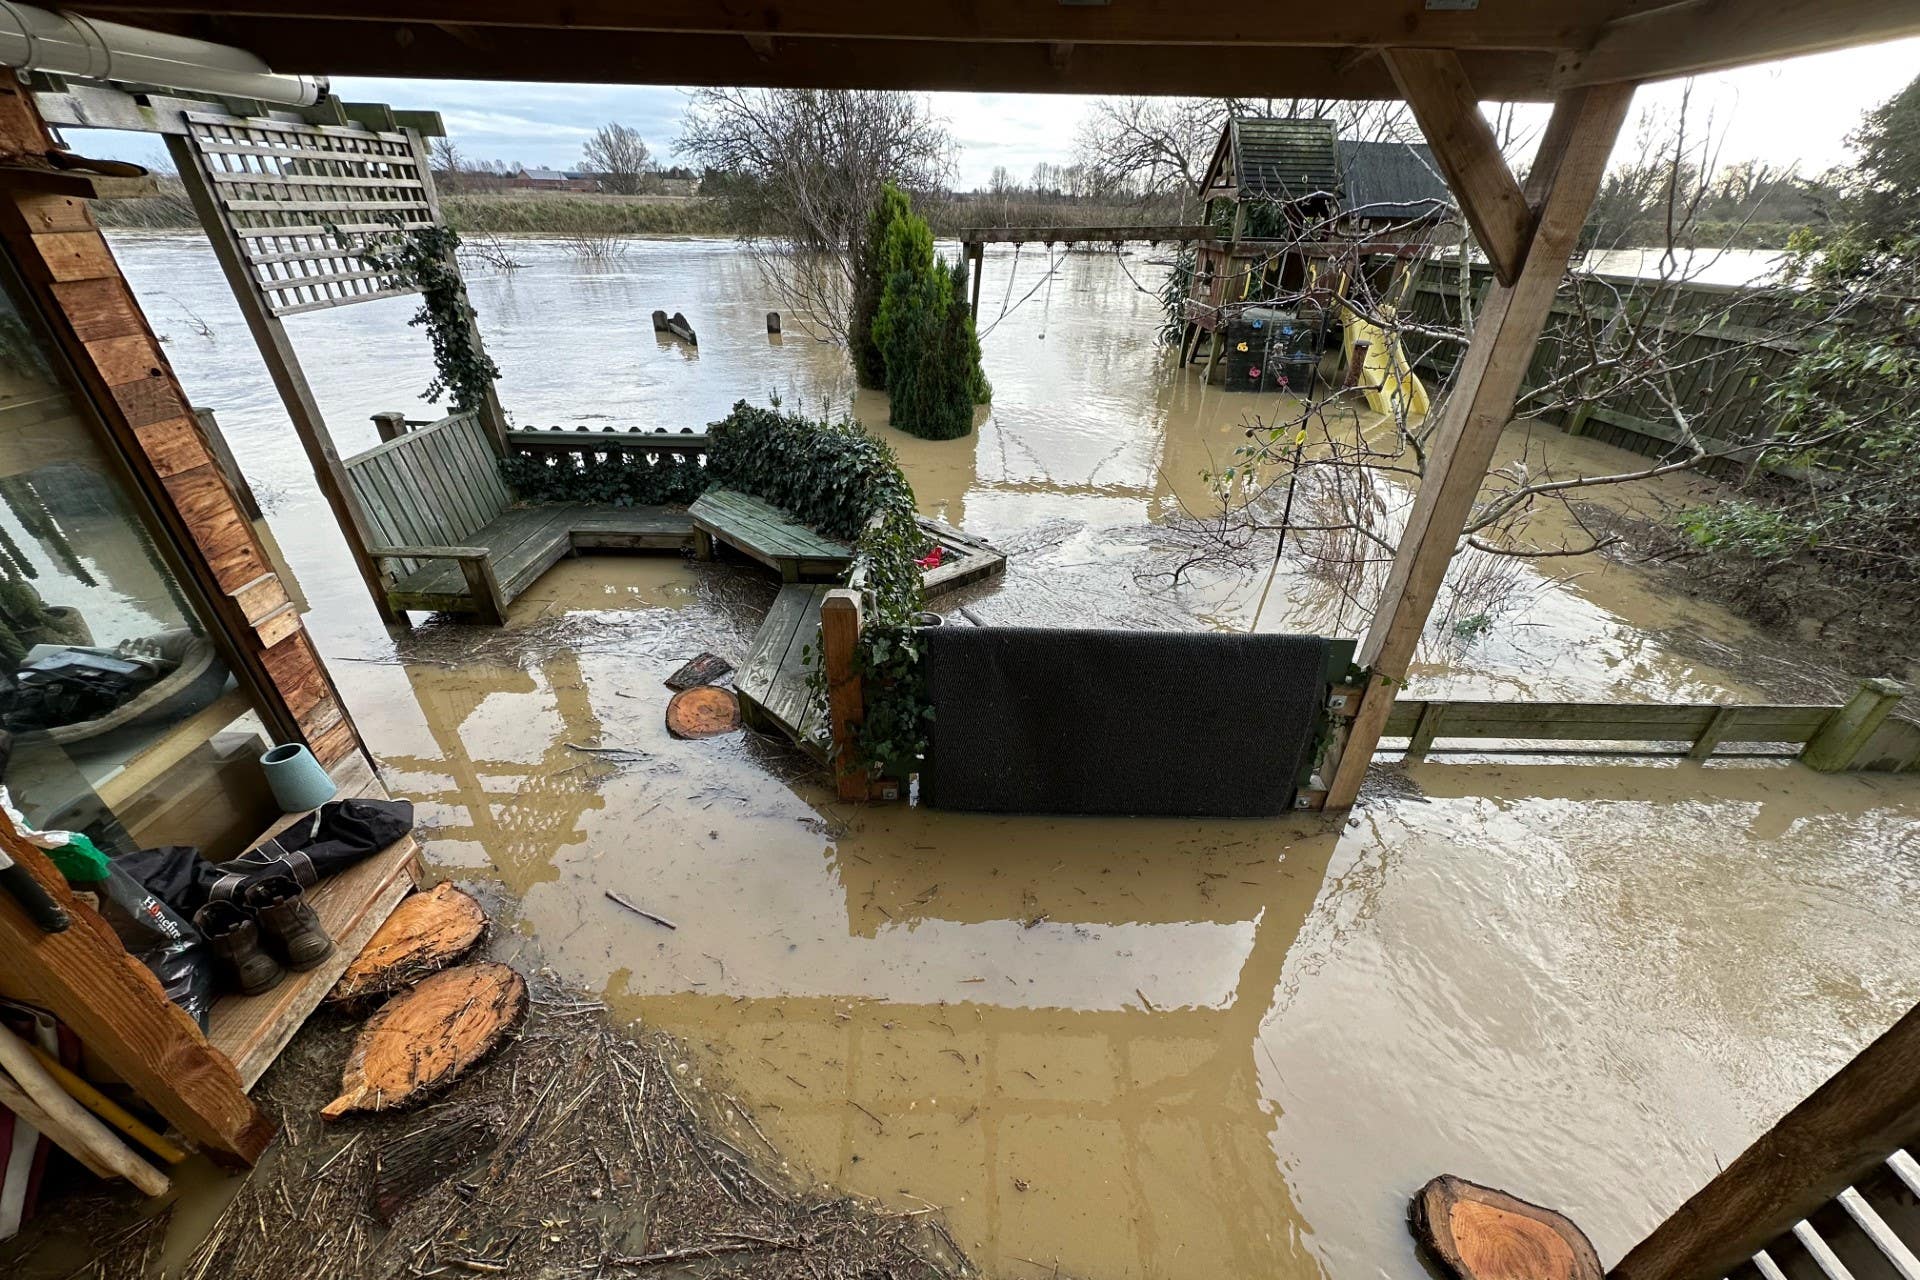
x=252 y=1030
x=762 y=531
x=525 y=542
x=772 y=682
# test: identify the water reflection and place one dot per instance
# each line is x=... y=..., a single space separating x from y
x=1131 y=1048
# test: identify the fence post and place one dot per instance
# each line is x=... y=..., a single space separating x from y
x=390 y=425
x=1838 y=742
x=846 y=700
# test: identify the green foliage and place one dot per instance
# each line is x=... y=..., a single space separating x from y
x=922 y=328
x=870 y=275
x=893 y=737
x=671 y=479
x=1173 y=296
x=423 y=259
x=830 y=475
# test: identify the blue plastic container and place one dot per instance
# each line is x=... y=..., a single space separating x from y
x=299 y=782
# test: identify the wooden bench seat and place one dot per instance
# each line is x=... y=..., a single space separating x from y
x=772 y=682
x=762 y=531
x=444 y=530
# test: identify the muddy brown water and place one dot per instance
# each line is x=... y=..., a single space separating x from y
x=1116 y=1048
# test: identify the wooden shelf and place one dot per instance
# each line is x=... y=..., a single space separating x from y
x=252 y=1030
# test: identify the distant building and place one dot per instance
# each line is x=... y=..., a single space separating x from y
x=553 y=180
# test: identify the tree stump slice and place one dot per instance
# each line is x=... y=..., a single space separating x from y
x=1479 y=1233
x=703 y=712
x=421 y=1040
x=426 y=933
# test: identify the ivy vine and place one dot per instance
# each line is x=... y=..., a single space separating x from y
x=423 y=259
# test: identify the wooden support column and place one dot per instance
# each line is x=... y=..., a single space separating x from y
x=276 y=351
x=1581 y=135
x=1435 y=85
x=492 y=416
x=846 y=700
x=85 y=978
x=74 y=281
x=1838 y=743
x=1837 y=1134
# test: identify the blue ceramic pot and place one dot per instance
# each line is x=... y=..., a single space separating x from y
x=298 y=781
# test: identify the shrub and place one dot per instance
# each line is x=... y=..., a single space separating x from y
x=869 y=282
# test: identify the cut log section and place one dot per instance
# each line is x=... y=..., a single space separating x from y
x=426 y=933
x=703 y=712
x=422 y=1040
x=1478 y=1233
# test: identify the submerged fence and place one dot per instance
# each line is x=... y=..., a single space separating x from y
x=1727 y=347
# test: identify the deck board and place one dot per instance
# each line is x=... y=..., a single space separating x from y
x=762 y=531
x=772 y=681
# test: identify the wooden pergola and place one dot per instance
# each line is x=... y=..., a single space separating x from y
x=1442 y=56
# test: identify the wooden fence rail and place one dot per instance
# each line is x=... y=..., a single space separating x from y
x=1860 y=734
x=1731 y=346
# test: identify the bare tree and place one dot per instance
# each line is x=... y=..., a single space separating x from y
x=618 y=155
x=803 y=167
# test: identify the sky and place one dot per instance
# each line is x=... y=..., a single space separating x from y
x=1799 y=112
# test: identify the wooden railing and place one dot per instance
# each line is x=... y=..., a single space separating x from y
x=631 y=446
x=1860 y=734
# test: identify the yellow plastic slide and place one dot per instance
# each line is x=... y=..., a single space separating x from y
x=1389 y=381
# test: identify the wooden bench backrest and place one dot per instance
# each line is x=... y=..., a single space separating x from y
x=438 y=485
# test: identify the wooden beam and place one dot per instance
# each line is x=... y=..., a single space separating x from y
x=846 y=700
x=1085 y=235
x=1567 y=24
x=1436 y=86
x=1712 y=35
x=1477 y=410
x=1838 y=1133
x=370 y=47
x=85 y=978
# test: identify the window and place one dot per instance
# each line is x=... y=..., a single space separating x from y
x=119 y=716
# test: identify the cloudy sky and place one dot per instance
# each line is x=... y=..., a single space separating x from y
x=1798 y=111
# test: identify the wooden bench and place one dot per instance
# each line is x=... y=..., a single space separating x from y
x=762 y=531
x=772 y=681
x=443 y=528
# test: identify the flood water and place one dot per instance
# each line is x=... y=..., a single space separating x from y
x=1116 y=1048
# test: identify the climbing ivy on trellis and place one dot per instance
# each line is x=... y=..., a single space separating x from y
x=422 y=259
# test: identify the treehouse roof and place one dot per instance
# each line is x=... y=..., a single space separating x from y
x=1274 y=159
x=1510 y=49
x=1396 y=180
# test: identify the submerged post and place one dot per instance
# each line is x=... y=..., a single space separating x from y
x=846 y=700
x=1838 y=743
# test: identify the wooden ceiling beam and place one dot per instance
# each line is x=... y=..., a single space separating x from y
x=1495 y=24
x=618 y=57
x=1712 y=35
x=1443 y=99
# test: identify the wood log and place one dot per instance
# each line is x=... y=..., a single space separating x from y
x=703 y=712
x=426 y=933
x=424 y=1039
x=708 y=668
x=71 y=1125
x=1478 y=1233
x=415 y=1162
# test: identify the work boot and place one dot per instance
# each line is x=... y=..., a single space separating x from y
x=235 y=939
x=289 y=922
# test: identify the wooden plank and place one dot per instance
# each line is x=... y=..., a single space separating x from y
x=1711 y=736
x=174 y=445
x=1471 y=423
x=1435 y=85
x=1844 y=734
x=840 y=643
x=75 y=255
x=1837 y=1134
x=1707 y=35
x=786 y=616
x=219 y=529
x=85 y=977
x=102 y=308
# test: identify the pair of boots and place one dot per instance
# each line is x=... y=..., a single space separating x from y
x=274 y=908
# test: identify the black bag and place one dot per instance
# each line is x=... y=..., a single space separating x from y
x=154 y=934
x=323 y=843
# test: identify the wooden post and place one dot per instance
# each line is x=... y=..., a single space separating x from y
x=1477 y=411
x=1836 y=744
x=390 y=425
x=976 y=253
x=85 y=978
x=1710 y=736
x=71 y=275
x=1837 y=1134
x=846 y=700
x=276 y=351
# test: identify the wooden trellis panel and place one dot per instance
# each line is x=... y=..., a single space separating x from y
x=302 y=201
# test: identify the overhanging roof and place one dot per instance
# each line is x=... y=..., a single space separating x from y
x=1511 y=49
